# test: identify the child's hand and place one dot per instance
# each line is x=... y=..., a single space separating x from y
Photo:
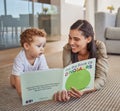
x=75 y=93
x=61 y=96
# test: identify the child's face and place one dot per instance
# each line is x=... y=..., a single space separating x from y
x=36 y=48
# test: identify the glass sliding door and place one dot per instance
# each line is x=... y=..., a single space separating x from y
x=49 y=18
x=18 y=15
x=14 y=18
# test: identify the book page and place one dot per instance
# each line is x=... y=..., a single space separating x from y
x=80 y=75
x=40 y=85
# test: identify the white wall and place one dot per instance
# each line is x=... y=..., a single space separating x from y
x=90 y=10
x=69 y=14
x=102 y=5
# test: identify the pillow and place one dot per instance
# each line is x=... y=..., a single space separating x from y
x=113 y=33
x=118 y=18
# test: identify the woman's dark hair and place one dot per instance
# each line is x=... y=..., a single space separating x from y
x=87 y=31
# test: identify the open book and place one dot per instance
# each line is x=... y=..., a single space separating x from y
x=41 y=85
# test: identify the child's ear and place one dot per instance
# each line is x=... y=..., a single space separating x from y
x=26 y=46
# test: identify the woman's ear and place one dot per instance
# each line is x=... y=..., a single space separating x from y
x=26 y=46
x=89 y=39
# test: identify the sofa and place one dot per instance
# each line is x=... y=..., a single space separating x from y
x=107 y=29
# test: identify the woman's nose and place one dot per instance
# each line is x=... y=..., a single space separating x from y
x=71 y=41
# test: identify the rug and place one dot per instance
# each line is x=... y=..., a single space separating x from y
x=106 y=99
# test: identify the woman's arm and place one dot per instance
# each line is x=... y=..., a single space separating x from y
x=66 y=55
x=101 y=65
x=66 y=95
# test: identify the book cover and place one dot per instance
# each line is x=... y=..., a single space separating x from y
x=41 y=85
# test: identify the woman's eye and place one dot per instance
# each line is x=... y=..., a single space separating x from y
x=76 y=39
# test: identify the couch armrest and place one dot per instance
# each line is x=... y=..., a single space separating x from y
x=103 y=20
x=112 y=33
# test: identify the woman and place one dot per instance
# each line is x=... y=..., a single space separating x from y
x=81 y=46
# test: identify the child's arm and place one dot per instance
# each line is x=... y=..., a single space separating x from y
x=17 y=85
x=15 y=82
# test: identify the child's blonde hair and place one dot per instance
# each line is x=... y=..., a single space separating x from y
x=28 y=34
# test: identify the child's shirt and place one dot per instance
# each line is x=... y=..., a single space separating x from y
x=21 y=64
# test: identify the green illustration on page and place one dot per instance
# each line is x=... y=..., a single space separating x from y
x=78 y=80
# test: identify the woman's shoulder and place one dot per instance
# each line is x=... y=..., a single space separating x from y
x=67 y=47
x=66 y=55
x=101 y=48
x=100 y=44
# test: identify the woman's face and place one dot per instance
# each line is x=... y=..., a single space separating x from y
x=77 y=41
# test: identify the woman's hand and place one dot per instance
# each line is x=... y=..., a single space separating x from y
x=61 y=96
x=66 y=95
x=75 y=93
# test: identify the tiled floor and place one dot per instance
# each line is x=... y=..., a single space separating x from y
x=9 y=40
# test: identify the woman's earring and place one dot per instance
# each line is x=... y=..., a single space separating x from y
x=88 y=41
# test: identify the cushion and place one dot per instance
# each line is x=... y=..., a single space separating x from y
x=118 y=18
x=112 y=33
